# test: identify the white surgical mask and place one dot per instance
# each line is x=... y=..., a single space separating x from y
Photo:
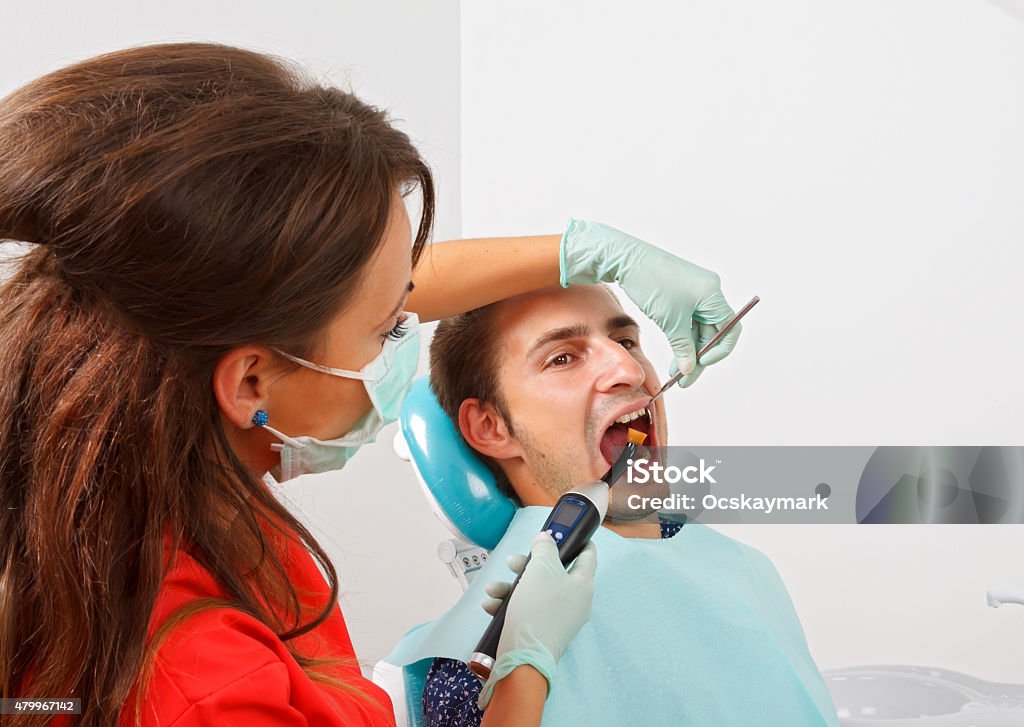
x=387 y=379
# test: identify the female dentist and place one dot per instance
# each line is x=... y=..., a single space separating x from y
x=221 y=286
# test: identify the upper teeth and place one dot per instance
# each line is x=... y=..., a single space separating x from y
x=627 y=418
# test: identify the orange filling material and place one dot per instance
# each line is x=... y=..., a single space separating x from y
x=635 y=437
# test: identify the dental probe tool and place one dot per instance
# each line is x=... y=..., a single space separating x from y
x=707 y=346
x=573 y=520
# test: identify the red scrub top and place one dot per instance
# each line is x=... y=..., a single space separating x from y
x=223 y=667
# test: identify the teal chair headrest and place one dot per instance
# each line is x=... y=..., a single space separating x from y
x=459 y=485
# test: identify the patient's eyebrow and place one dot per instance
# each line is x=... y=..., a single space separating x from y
x=579 y=330
x=622 y=321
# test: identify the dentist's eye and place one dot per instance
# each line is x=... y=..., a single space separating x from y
x=398 y=331
x=627 y=343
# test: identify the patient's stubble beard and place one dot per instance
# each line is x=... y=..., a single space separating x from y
x=558 y=470
x=555 y=470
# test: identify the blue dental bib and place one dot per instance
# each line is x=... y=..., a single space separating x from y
x=695 y=630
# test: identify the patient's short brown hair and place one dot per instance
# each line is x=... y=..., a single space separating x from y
x=464 y=365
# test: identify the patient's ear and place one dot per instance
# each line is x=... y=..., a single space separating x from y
x=485 y=430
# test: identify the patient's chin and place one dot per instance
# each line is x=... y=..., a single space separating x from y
x=631 y=501
x=620 y=513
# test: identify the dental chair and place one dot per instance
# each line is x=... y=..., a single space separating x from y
x=463 y=495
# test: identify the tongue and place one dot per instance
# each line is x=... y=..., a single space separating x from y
x=613 y=441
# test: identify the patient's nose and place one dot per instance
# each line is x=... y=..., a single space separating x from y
x=618 y=368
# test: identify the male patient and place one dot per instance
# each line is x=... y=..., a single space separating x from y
x=689 y=627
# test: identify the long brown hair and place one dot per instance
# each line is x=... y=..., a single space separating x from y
x=184 y=200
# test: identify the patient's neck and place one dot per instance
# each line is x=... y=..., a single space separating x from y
x=649 y=527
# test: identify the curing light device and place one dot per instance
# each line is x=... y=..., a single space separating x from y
x=573 y=520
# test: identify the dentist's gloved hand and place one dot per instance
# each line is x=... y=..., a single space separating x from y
x=548 y=608
x=685 y=300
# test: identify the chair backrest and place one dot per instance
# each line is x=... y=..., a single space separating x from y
x=463 y=494
x=459 y=486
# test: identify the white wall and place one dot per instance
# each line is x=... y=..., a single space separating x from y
x=400 y=54
x=860 y=166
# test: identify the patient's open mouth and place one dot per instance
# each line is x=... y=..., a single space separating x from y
x=615 y=436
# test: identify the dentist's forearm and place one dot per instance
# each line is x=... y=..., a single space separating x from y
x=518 y=700
x=454 y=277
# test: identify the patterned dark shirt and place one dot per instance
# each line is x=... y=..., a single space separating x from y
x=449 y=697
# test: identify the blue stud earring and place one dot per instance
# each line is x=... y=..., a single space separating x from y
x=260 y=417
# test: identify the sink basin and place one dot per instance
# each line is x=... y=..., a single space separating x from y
x=917 y=696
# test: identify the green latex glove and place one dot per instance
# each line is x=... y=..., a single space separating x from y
x=548 y=608
x=684 y=299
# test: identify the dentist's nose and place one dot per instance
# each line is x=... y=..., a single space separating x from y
x=618 y=369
